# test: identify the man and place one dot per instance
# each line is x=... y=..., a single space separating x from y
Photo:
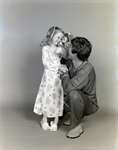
x=79 y=84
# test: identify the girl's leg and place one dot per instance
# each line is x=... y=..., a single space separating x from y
x=44 y=123
x=56 y=120
x=44 y=119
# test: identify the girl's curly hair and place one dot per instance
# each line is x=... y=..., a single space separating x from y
x=50 y=33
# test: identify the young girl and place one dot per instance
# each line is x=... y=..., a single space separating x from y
x=49 y=101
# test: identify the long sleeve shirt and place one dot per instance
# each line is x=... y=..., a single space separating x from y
x=83 y=79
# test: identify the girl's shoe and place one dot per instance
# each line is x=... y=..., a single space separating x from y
x=53 y=126
x=45 y=126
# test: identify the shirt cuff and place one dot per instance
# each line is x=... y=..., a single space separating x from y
x=65 y=75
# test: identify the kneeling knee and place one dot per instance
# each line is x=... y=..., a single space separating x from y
x=75 y=96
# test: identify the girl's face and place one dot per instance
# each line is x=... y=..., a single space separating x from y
x=57 y=38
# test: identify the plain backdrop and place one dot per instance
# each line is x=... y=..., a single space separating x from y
x=23 y=25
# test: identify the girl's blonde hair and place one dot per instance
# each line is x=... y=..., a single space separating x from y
x=51 y=32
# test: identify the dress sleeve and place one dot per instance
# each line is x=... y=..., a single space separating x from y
x=61 y=51
x=47 y=61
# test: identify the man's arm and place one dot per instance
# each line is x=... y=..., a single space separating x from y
x=76 y=83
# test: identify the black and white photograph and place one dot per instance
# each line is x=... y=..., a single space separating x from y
x=58 y=75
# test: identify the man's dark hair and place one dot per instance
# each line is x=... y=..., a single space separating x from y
x=82 y=47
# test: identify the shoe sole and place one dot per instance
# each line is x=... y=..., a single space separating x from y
x=74 y=137
x=66 y=124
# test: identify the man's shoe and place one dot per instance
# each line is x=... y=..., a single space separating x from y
x=66 y=123
x=75 y=133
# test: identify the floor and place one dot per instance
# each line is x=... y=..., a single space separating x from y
x=20 y=130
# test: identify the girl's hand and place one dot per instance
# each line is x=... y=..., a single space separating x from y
x=63 y=68
x=61 y=52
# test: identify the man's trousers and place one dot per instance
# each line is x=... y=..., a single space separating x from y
x=79 y=105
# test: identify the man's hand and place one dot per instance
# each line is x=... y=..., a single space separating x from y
x=63 y=68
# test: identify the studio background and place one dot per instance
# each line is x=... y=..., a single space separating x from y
x=23 y=25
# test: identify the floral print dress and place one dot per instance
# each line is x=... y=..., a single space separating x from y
x=49 y=100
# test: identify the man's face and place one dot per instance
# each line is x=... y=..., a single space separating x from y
x=70 y=55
